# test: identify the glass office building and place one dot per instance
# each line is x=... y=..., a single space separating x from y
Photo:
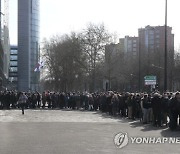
x=28 y=44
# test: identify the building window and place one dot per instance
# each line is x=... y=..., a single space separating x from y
x=13 y=69
x=151 y=37
x=13 y=52
x=129 y=42
x=134 y=53
x=13 y=58
x=129 y=45
x=134 y=45
x=134 y=49
x=151 y=41
x=151 y=47
x=157 y=36
x=157 y=31
x=157 y=41
x=13 y=63
x=12 y=73
x=11 y=79
x=151 y=32
x=130 y=49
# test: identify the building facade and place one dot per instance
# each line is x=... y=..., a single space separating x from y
x=13 y=69
x=176 y=79
x=152 y=50
x=121 y=67
x=113 y=54
x=131 y=45
x=141 y=56
x=28 y=44
x=4 y=43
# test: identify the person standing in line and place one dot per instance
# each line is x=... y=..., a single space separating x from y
x=146 y=104
x=22 y=101
x=43 y=99
x=38 y=97
x=130 y=104
x=157 y=110
x=114 y=102
x=165 y=108
x=174 y=107
x=91 y=102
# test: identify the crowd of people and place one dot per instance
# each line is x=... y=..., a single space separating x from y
x=158 y=109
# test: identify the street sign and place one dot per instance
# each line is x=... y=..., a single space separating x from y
x=150 y=80
x=150 y=83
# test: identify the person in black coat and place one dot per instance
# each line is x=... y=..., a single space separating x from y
x=174 y=107
x=38 y=99
x=138 y=109
x=146 y=105
x=157 y=110
x=165 y=108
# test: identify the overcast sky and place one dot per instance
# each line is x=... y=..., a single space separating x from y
x=123 y=17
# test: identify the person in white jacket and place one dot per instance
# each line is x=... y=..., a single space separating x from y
x=22 y=101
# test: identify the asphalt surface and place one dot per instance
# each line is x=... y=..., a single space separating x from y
x=75 y=132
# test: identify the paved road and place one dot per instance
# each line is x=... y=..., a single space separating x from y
x=74 y=132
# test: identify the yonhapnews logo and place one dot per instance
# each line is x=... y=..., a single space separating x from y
x=122 y=139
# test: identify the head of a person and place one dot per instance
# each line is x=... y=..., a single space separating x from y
x=165 y=95
x=145 y=95
x=156 y=94
x=177 y=96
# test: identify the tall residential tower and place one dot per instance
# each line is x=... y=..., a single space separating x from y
x=151 y=49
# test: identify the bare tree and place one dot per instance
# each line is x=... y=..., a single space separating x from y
x=65 y=61
x=93 y=40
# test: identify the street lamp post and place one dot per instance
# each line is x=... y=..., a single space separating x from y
x=139 y=75
x=165 y=54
